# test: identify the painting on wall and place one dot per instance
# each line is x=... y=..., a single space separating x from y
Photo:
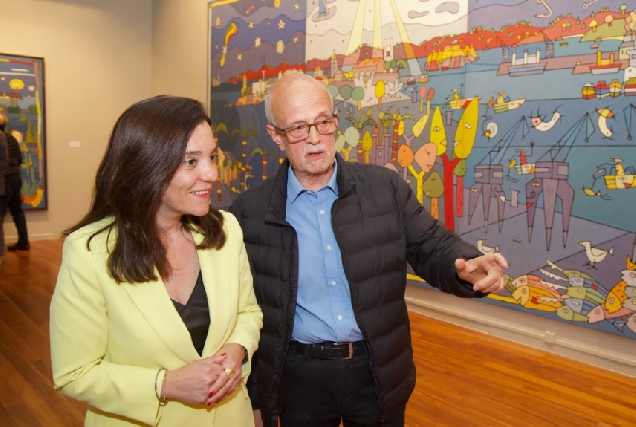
x=512 y=120
x=22 y=102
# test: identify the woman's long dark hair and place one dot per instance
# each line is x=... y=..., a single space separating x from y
x=146 y=148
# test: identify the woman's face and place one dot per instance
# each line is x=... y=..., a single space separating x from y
x=190 y=188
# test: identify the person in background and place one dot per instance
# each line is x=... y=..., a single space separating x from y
x=329 y=242
x=153 y=317
x=13 y=185
x=4 y=155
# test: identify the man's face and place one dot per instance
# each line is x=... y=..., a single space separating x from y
x=297 y=103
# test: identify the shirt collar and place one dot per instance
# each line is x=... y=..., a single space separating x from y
x=295 y=188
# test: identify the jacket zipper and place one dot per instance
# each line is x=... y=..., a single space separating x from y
x=281 y=365
x=355 y=312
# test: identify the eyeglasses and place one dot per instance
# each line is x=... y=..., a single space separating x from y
x=297 y=133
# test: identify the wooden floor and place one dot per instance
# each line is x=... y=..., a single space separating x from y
x=465 y=378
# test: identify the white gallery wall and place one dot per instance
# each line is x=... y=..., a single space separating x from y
x=179 y=48
x=97 y=58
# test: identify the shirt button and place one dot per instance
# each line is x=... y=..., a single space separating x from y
x=333 y=283
x=339 y=317
x=328 y=247
x=322 y=212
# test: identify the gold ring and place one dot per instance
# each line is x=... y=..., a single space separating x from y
x=229 y=372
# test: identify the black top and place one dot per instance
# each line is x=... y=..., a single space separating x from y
x=196 y=315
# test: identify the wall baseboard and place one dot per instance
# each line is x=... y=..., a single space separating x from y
x=32 y=237
x=589 y=346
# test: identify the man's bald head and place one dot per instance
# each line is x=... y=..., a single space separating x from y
x=291 y=82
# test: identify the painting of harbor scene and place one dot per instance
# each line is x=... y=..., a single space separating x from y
x=513 y=121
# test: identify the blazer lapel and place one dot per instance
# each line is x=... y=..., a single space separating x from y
x=215 y=271
x=154 y=303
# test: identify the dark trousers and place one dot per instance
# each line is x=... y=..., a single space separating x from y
x=12 y=201
x=319 y=393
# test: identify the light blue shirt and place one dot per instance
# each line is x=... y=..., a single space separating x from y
x=323 y=306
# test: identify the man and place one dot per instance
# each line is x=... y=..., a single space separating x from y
x=328 y=242
x=13 y=185
x=3 y=167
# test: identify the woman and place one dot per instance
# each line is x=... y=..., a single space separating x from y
x=153 y=318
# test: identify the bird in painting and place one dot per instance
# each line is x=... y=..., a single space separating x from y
x=595 y=255
x=486 y=249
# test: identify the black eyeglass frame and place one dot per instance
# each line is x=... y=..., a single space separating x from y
x=309 y=125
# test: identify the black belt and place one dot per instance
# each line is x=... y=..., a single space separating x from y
x=328 y=350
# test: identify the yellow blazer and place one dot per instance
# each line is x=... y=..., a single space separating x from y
x=108 y=340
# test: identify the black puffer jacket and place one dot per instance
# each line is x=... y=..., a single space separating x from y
x=379 y=226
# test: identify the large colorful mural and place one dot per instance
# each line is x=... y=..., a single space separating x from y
x=513 y=121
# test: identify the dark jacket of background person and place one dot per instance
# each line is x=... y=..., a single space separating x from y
x=3 y=166
x=4 y=160
x=380 y=226
x=15 y=157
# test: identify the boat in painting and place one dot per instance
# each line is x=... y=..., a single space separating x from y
x=588 y=91
x=629 y=89
x=601 y=89
x=508 y=105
